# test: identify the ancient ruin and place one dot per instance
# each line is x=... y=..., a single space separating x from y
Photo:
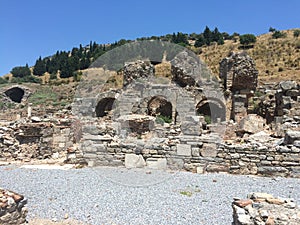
x=167 y=114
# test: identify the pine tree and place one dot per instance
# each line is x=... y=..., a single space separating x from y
x=39 y=67
x=21 y=71
x=200 y=41
x=217 y=36
x=207 y=35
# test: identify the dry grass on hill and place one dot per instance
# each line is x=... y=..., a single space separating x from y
x=276 y=59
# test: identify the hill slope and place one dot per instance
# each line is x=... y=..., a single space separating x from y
x=276 y=59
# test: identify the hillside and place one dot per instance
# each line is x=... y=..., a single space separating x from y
x=276 y=59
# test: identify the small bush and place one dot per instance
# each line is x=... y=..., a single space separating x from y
x=247 y=39
x=296 y=33
x=278 y=34
x=207 y=119
x=3 y=81
x=27 y=79
x=258 y=94
x=160 y=119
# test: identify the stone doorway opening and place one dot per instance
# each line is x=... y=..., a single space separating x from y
x=15 y=94
x=160 y=106
x=104 y=106
x=212 y=110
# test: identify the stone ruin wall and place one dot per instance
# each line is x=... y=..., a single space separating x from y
x=30 y=139
x=190 y=144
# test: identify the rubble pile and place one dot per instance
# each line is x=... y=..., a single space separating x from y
x=12 y=208
x=264 y=209
x=28 y=139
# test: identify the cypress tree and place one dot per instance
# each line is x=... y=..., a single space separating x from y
x=39 y=67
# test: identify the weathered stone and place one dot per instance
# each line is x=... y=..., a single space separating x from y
x=242 y=203
x=272 y=171
x=291 y=136
x=195 y=152
x=184 y=150
x=36 y=119
x=209 y=150
x=134 y=161
x=275 y=201
x=260 y=195
x=238 y=72
x=287 y=85
x=158 y=164
x=252 y=123
x=200 y=169
x=138 y=69
x=214 y=168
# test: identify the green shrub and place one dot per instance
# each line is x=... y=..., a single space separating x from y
x=207 y=119
x=247 y=39
x=160 y=119
x=43 y=96
x=296 y=33
x=27 y=79
x=3 y=80
x=278 y=34
x=21 y=71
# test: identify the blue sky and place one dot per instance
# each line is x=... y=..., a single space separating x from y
x=33 y=28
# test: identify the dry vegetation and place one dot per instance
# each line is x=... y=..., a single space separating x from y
x=276 y=59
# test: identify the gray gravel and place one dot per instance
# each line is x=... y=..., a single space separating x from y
x=121 y=196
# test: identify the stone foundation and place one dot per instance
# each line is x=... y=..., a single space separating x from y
x=264 y=209
x=12 y=208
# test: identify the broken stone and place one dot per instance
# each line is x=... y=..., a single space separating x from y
x=287 y=85
x=209 y=150
x=243 y=203
x=134 y=161
x=36 y=119
x=252 y=124
x=157 y=164
x=291 y=136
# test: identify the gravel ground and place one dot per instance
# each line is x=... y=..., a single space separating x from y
x=121 y=196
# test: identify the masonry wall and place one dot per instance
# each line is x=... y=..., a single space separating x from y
x=201 y=154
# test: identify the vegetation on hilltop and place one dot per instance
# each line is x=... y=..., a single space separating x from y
x=276 y=53
x=276 y=58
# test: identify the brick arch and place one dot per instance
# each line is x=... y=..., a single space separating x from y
x=104 y=106
x=212 y=107
x=15 y=94
x=159 y=105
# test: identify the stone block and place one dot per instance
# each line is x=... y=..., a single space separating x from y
x=134 y=161
x=287 y=85
x=195 y=152
x=252 y=123
x=184 y=150
x=291 y=137
x=215 y=168
x=100 y=147
x=59 y=139
x=200 y=169
x=157 y=164
x=209 y=150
